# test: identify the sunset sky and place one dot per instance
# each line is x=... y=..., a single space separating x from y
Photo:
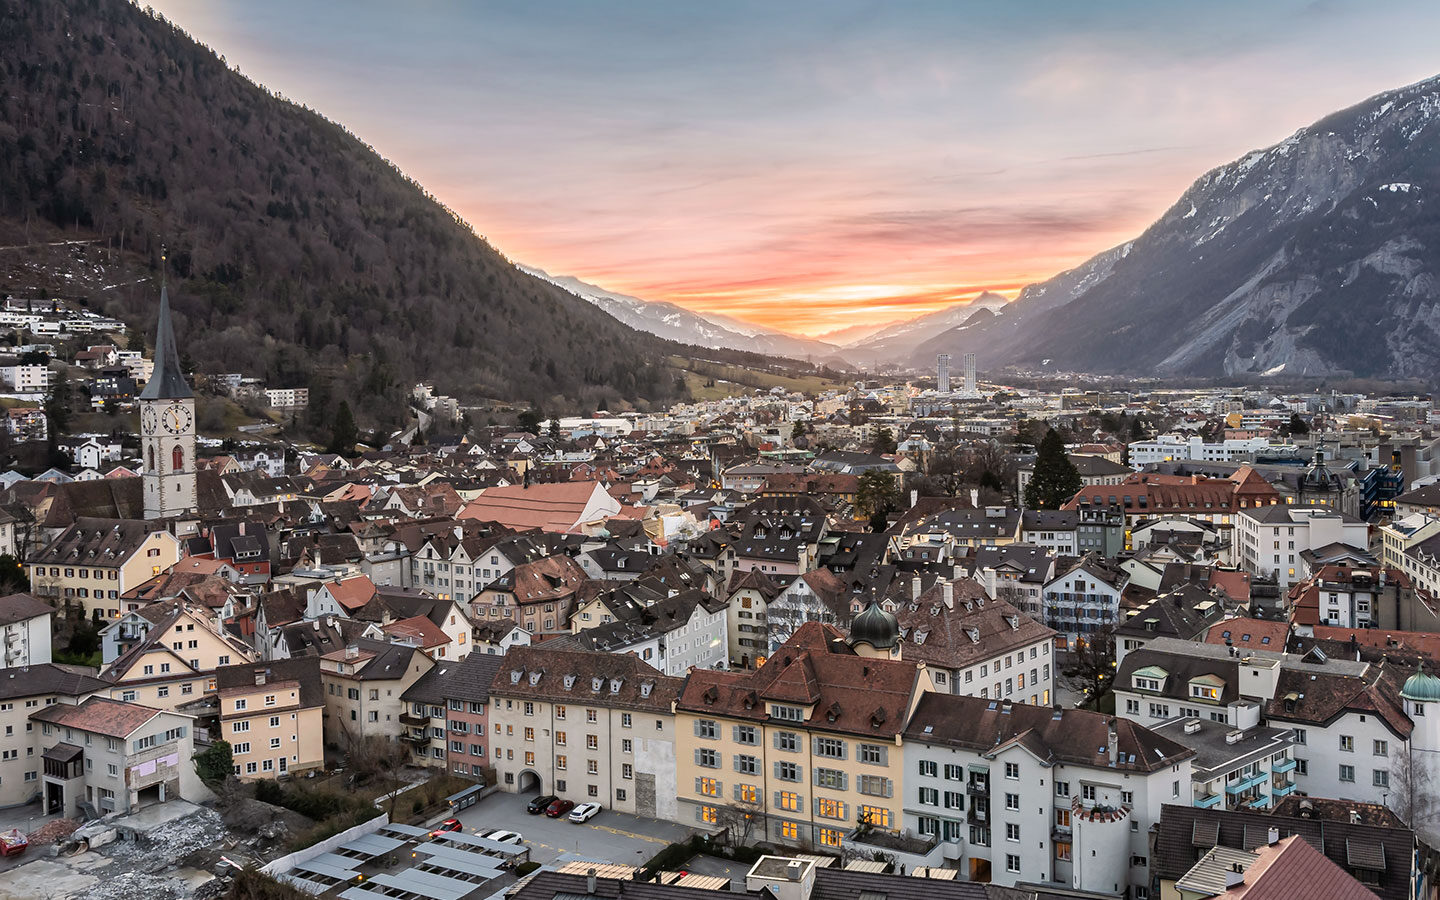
x=815 y=165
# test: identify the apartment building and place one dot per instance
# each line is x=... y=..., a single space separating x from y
x=1015 y=793
x=25 y=630
x=22 y=692
x=1234 y=768
x=94 y=561
x=1270 y=540
x=273 y=715
x=1084 y=600
x=808 y=744
x=116 y=757
x=586 y=726
x=364 y=682
x=674 y=634
x=1412 y=545
x=466 y=690
x=176 y=660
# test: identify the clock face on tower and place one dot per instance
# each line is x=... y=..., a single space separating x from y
x=176 y=419
x=149 y=420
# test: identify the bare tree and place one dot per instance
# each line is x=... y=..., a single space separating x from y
x=739 y=820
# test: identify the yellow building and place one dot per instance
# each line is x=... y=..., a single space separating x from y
x=176 y=660
x=96 y=560
x=273 y=716
x=808 y=746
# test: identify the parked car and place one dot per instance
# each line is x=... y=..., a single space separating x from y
x=559 y=808
x=505 y=837
x=540 y=804
x=584 y=812
x=447 y=825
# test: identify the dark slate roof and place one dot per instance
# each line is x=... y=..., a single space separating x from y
x=48 y=678
x=1176 y=850
x=19 y=607
x=167 y=382
x=302 y=669
x=470 y=678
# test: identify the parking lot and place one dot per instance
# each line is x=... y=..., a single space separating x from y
x=610 y=836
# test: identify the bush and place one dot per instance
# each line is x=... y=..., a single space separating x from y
x=526 y=868
x=333 y=825
x=251 y=884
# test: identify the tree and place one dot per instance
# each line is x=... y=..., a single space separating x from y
x=1055 y=479
x=12 y=574
x=1298 y=427
x=739 y=820
x=876 y=497
x=1137 y=430
x=529 y=420
x=1094 y=666
x=554 y=428
x=343 y=433
x=882 y=440
x=57 y=406
x=215 y=764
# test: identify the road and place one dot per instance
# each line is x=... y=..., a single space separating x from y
x=610 y=836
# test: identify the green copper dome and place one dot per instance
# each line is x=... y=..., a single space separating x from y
x=1422 y=687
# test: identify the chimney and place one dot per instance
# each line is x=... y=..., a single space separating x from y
x=915 y=588
x=947 y=591
x=1272 y=837
x=975 y=497
x=590 y=882
x=259 y=678
x=1354 y=817
x=793 y=869
x=914 y=497
x=352 y=651
x=1114 y=743
x=1235 y=877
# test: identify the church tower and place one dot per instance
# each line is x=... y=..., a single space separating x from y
x=167 y=427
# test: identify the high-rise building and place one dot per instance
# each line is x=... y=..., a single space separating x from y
x=972 y=387
x=942 y=373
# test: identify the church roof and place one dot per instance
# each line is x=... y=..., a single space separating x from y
x=167 y=381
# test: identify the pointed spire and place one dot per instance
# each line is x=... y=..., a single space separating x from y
x=166 y=382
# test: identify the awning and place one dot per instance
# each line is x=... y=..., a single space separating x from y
x=63 y=753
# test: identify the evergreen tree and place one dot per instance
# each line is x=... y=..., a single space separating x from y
x=877 y=496
x=882 y=440
x=1055 y=479
x=344 y=433
x=1298 y=426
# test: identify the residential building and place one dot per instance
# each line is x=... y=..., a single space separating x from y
x=586 y=726
x=808 y=744
x=116 y=757
x=94 y=561
x=1269 y=540
x=273 y=715
x=1021 y=794
x=364 y=682
x=25 y=630
x=1233 y=768
x=466 y=690
x=538 y=595
x=675 y=634
x=22 y=692
x=175 y=660
x=1084 y=600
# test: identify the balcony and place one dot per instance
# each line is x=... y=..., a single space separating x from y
x=1244 y=784
x=412 y=720
x=978 y=816
x=1280 y=789
x=977 y=788
x=1281 y=767
x=415 y=736
x=1208 y=801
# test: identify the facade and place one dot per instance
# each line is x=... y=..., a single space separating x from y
x=91 y=563
x=585 y=726
x=674 y=634
x=25 y=630
x=1026 y=794
x=466 y=691
x=116 y=757
x=364 y=682
x=273 y=716
x=1234 y=769
x=22 y=692
x=1084 y=601
x=1270 y=540
x=175 y=661
x=807 y=745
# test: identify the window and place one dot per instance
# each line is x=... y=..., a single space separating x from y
x=929 y=797
x=707 y=814
x=1062 y=818
x=624 y=720
x=875 y=816
x=1062 y=850
x=1012 y=862
x=1382 y=748
x=1062 y=788
x=562 y=762
x=788 y=713
x=1347 y=773
x=706 y=728
x=954 y=800
x=1012 y=831
x=747 y=765
x=827 y=808
x=929 y=767
x=1012 y=801
x=831 y=778
x=954 y=773
x=746 y=734
x=530 y=734
x=790 y=831
x=829 y=748
x=874 y=786
x=592 y=742
x=1012 y=771
x=1139 y=862
x=787 y=771
x=788 y=800
x=1087 y=792
x=560 y=737
x=707 y=758
x=592 y=716
x=745 y=793
x=529 y=758
x=787 y=740
x=873 y=754
x=1380 y=778
x=1299 y=735
x=830 y=837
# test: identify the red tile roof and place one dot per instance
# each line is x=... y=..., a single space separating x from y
x=99 y=715
x=1291 y=869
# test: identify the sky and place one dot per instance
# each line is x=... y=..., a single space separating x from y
x=814 y=166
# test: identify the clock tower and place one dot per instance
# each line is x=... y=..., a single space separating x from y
x=167 y=427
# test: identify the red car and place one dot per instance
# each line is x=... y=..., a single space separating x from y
x=559 y=808
x=447 y=825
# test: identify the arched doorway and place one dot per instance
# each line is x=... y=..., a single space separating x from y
x=529 y=782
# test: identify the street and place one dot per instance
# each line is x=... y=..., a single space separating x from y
x=610 y=836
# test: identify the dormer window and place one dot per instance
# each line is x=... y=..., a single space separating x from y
x=535 y=678
x=596 y=682
x=615 y=685
x=515 y=676
x=569 y=682
x=646 y=687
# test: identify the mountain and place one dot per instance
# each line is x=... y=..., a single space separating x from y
x=898 y=342
x=1317 y=256
x=297 y=253
x=676 y=323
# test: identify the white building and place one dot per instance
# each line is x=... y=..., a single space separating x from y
x=690 y=629
x=1170 y=447
x=26 y=379
x=1019 y=793
x=1270 y=539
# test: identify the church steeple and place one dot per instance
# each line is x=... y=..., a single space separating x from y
x=166 y=382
